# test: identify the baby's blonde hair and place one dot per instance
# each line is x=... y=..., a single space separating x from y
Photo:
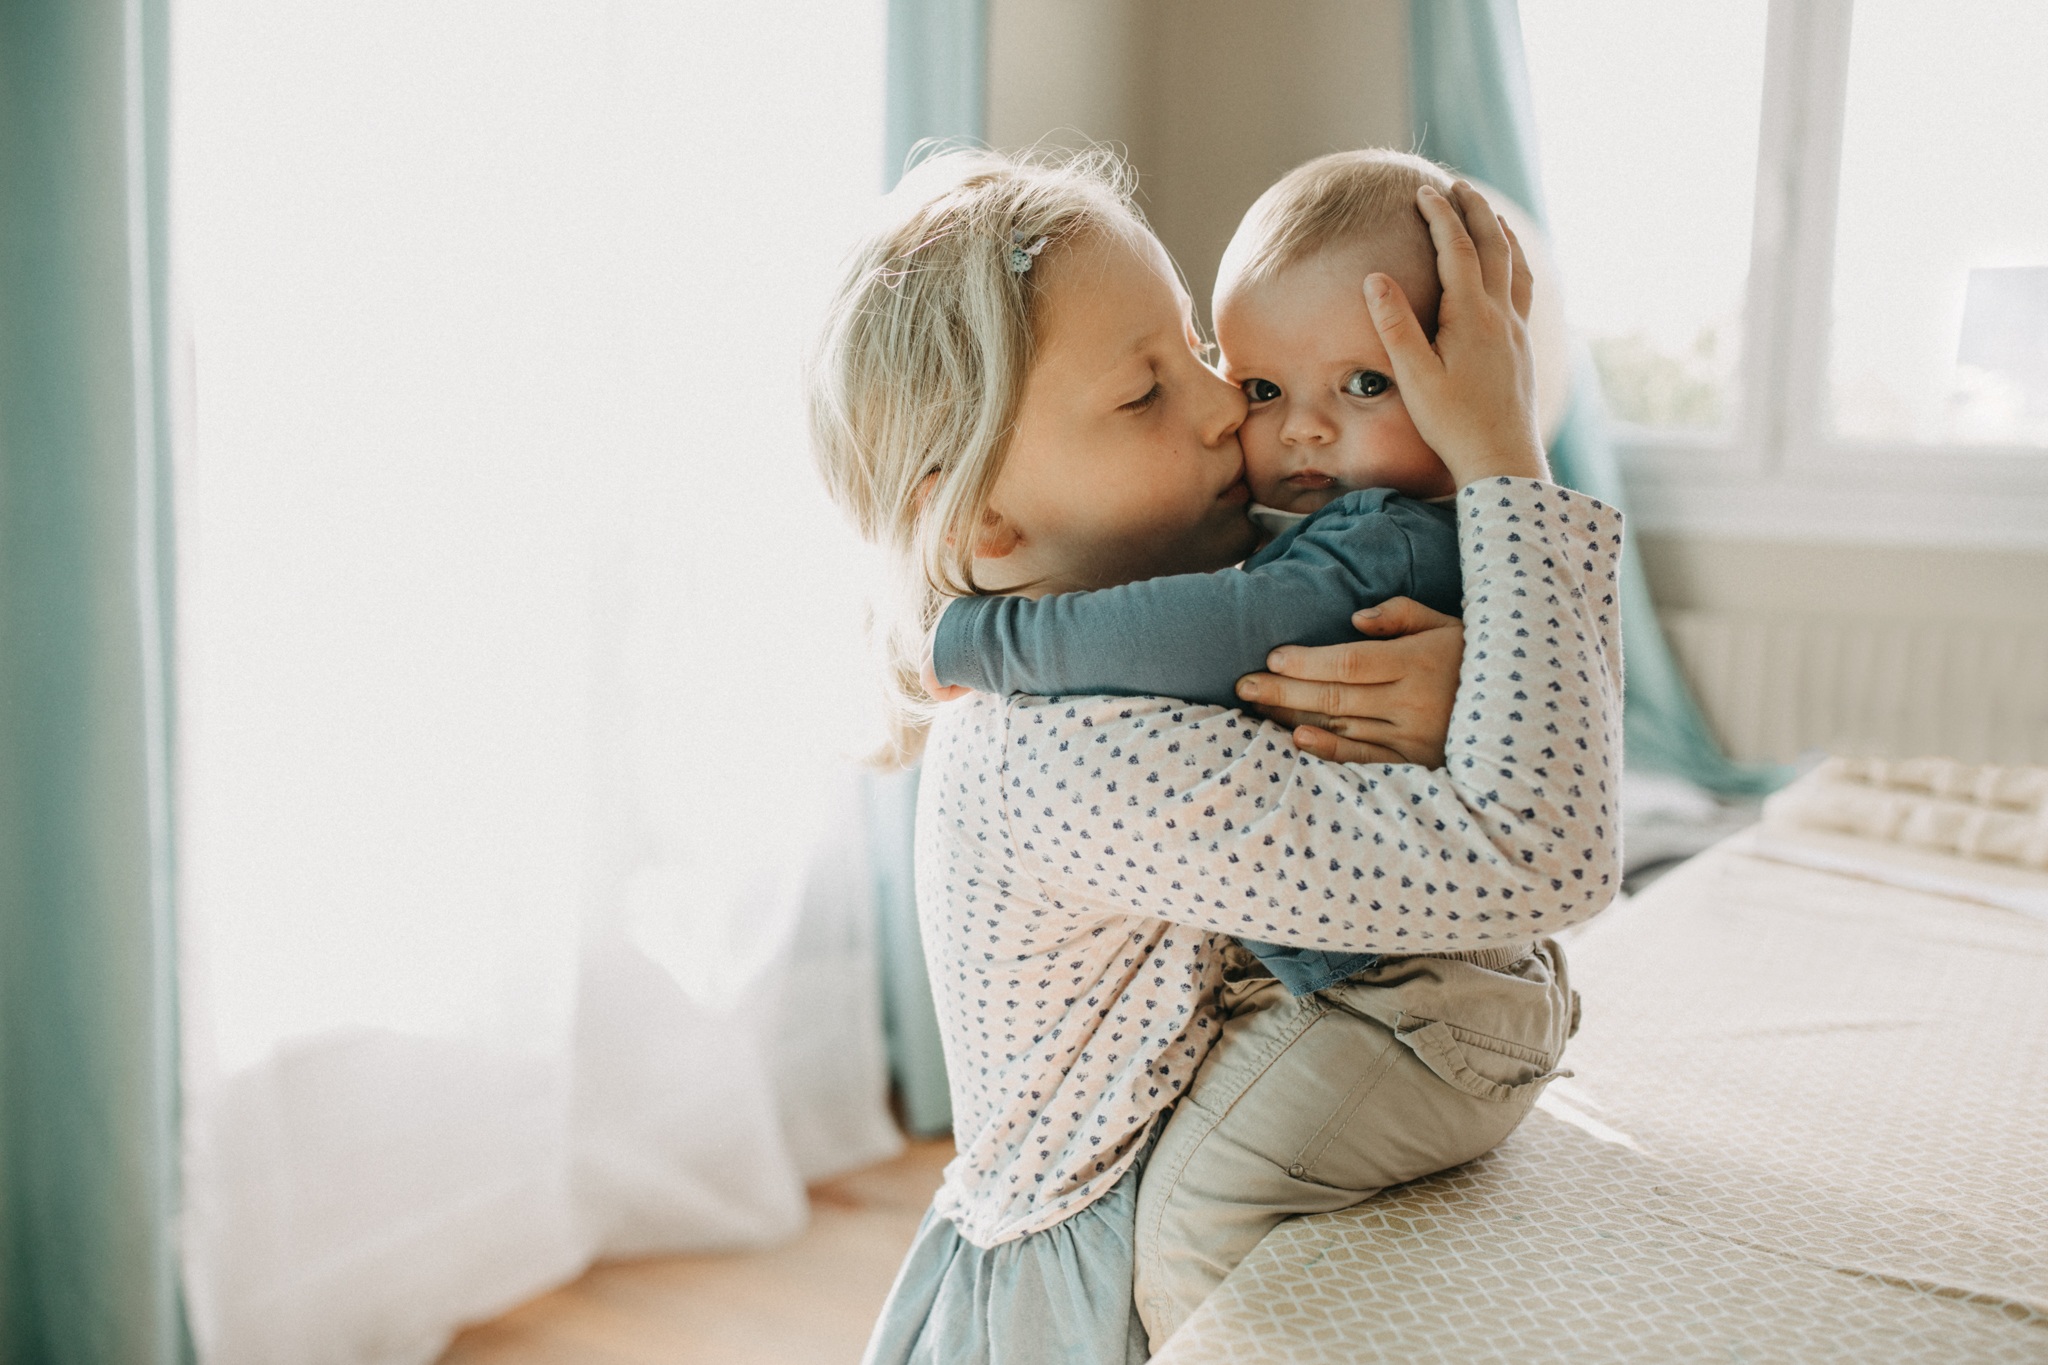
x=1342 y=197
x=916 y=380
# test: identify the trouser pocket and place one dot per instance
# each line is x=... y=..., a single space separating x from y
x=1491 y=1033
x=1465 y=1066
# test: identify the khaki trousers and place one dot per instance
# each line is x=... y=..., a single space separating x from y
x=1313 y=1104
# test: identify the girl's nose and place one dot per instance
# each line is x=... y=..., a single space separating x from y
x=1223 y=408
x=1306 y=425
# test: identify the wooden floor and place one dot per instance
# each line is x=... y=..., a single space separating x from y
x=808 y=1303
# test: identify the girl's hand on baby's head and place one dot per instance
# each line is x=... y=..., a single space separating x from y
x=1472 y=395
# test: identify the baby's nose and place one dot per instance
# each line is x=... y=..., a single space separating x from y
x=1306 y=425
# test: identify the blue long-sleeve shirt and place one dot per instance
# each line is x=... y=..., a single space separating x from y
x=1194 y=635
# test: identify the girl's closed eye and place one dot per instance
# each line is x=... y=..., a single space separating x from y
x=1260 y=390
x=1367 y=384
x=1139 y=404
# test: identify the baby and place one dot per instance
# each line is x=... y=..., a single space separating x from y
x=1338 y=1073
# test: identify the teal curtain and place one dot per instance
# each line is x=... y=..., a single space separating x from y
x=1472 y=111
x=937 y=80
x=88 y=1123
x=910 y=1024
x=937 y=87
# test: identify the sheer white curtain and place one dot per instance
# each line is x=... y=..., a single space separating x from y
x=521 y=920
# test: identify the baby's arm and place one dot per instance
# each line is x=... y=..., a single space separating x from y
x=1186 y=635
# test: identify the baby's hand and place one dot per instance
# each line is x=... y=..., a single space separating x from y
x=929 y=676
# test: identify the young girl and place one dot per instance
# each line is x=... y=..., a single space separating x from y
x=1011 y=397
x=1337 y=1074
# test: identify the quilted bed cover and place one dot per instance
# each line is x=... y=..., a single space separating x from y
x=1808 y=1120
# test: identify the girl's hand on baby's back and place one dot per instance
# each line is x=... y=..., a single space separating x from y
x=1382 y=700
x=1472 y=394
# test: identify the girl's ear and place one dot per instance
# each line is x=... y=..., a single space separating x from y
x=999 y=536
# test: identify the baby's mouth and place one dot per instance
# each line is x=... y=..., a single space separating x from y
x=1309 y=492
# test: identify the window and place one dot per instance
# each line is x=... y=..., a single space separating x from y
x=1649 y=122
x=1806 y=242
x=1940 y=300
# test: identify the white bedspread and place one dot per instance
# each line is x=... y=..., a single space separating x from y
x=1809 y=1123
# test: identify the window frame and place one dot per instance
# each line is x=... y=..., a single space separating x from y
x=1778 y=471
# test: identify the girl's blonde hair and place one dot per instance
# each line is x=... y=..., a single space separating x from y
x=916 y=380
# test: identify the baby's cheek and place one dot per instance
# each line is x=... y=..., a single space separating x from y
x=1409 y=464
x=1265 y=460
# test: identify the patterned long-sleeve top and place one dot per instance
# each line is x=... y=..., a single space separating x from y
x=1080 y=861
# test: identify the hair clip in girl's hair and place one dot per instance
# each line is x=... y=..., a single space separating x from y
x=1022 y=256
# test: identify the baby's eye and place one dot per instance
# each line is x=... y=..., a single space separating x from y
x=1260 y=390
x=1367 y=384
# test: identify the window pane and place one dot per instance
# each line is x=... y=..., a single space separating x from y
x=1941 y=248
x=1648 y=118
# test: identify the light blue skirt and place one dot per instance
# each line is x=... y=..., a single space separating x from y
x=1057 y=1297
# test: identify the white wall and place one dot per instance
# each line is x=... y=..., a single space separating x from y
x=1067 y=72
x=1213 y=99
x=1864 y=649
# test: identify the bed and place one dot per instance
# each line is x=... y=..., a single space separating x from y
x=1808 y=1120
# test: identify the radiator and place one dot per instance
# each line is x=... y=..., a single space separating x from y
x=1777 y=687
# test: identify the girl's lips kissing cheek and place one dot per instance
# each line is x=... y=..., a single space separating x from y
x=1239 y=490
